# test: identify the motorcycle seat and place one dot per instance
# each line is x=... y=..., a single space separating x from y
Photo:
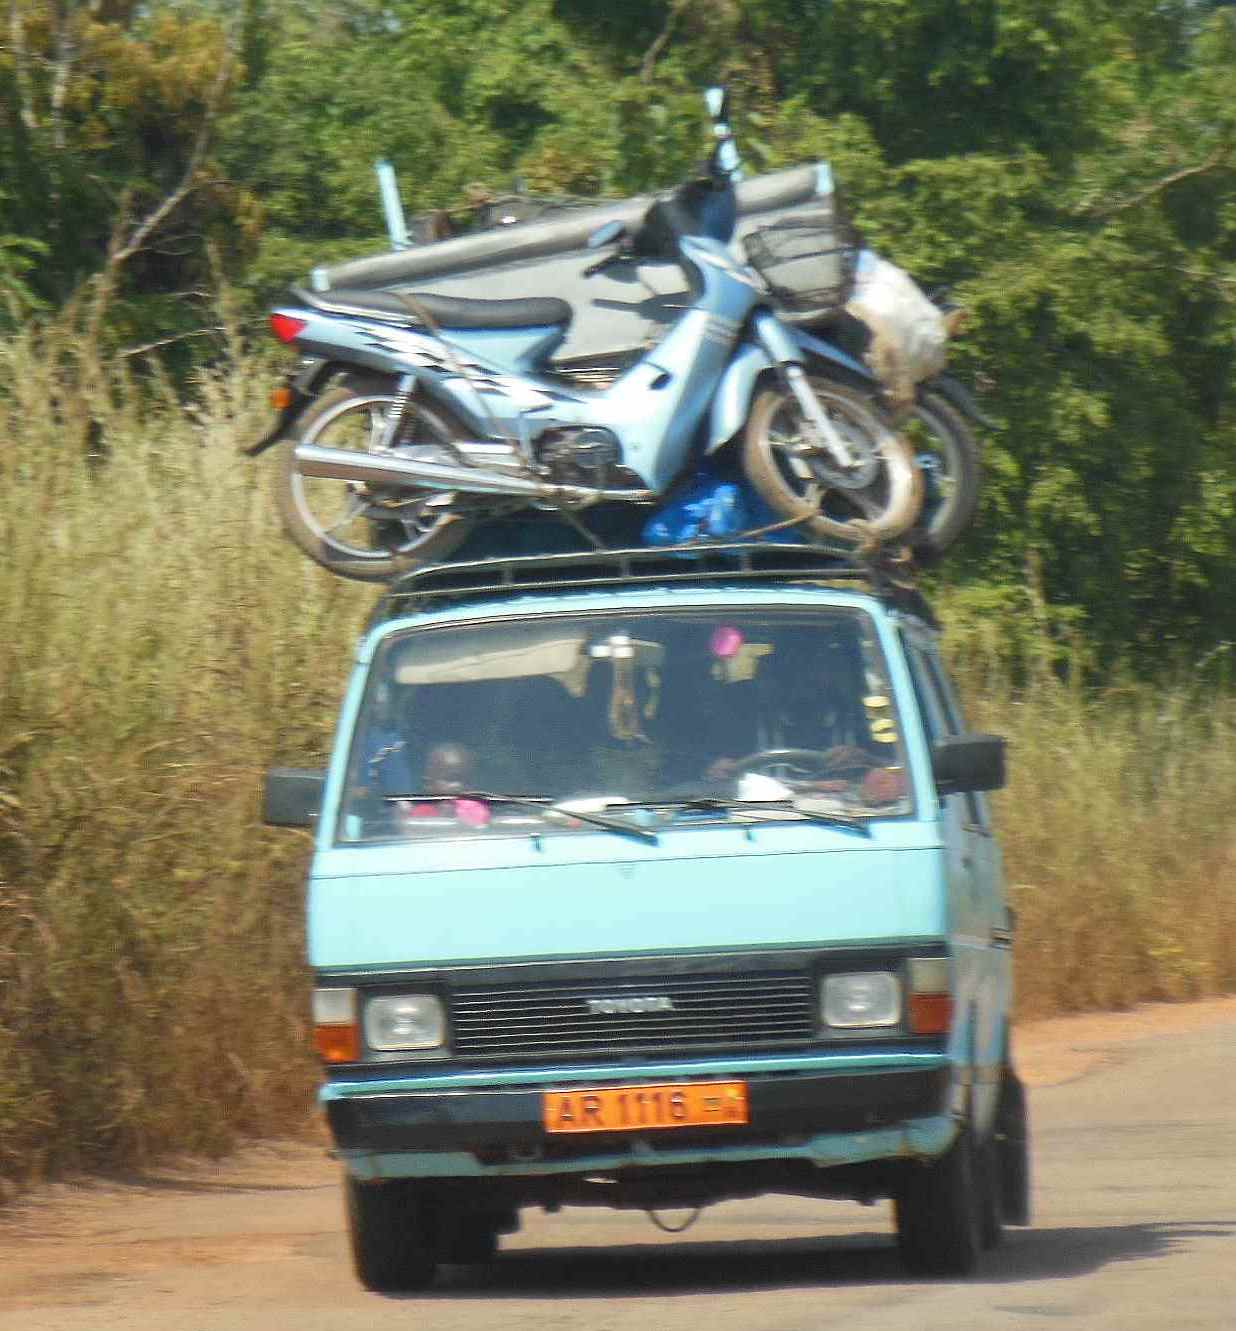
x=443 y=311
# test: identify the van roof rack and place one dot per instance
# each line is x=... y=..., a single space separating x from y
x=750 y=561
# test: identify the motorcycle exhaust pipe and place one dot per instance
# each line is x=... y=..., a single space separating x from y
x=340 y=464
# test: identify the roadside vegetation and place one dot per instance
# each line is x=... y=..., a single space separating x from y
x=1118 y=842
x=163 y=646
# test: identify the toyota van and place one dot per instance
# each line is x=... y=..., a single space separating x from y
x=649 y=879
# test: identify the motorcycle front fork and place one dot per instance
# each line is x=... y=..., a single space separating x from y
x=784 y=353
x=826 y=433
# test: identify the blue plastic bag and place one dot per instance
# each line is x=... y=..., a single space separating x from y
x=713 y=507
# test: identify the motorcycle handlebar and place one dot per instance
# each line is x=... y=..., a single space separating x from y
x=706 y=205
x=699 y=207
x=602 y=264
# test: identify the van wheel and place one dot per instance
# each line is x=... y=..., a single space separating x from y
x=1012 y=1143
x=988 y=1157
x=474 y=1240
x=393 y=1243
x=939 y=1212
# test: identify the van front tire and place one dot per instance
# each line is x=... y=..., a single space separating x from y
x=940 y=1212
x=392 y=1238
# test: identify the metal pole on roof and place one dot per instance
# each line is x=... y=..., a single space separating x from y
x=392 y=206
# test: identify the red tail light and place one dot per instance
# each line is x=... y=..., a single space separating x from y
x=285 y=328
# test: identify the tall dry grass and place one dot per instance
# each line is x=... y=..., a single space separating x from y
x=1116 y=825
x=161 y=646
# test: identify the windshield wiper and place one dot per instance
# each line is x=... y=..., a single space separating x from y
x=728 y=804
x=542 y=804
x=792 y=805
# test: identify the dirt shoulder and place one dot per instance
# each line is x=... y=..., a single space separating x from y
x=1060 y=1049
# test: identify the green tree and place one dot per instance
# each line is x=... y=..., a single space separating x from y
x=105 y=146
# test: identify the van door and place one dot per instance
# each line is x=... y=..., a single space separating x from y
x=981 y=922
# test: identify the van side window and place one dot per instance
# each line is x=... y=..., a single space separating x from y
x=935 y=702
x=976 y=804
x=928 y=708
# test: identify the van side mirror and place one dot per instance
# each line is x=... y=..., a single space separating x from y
x=962 y=763
x=293 y=797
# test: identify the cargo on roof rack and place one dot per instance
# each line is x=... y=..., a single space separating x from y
x=548 y=254
x=713 y=563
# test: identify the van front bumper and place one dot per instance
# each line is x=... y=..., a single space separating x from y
x=826 y=1117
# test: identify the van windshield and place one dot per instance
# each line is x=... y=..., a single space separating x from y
x=646 y=711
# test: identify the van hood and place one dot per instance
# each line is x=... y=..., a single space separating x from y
x=490 y=900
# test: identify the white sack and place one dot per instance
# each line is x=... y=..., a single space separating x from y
x=909 y=335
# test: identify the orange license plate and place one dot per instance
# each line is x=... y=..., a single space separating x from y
x=693 y=1104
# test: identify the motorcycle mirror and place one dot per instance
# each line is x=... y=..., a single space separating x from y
x=605 y=235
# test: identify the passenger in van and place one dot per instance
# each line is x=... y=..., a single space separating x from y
x=448 y=771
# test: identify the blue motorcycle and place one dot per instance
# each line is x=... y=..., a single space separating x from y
x=444 y=412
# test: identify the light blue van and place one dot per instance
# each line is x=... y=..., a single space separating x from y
x=644 y=881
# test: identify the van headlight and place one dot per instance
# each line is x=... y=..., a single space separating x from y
x=405 y=1022
x=860 y=999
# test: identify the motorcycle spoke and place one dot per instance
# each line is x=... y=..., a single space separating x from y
x=355 y=509
x=799 y=465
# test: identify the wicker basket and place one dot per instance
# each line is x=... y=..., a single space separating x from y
x=807 y=259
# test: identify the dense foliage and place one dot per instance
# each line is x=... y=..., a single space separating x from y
x=1068 y=165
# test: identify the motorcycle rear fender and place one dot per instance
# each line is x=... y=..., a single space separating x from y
x=305 y=384
x=732 y=403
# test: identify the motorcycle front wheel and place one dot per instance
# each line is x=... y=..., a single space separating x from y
x=361 y=531
x=878 y=499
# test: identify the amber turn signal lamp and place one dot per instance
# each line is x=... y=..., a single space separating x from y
x=929 y=1007
x=336 y=1034
x=930 y=1014
x=282 y=397
x=337 y=1044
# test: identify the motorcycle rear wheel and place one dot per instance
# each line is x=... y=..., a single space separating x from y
x=355 y=530
x=884 y=502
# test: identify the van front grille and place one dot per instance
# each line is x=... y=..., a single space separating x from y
x=680 y=1012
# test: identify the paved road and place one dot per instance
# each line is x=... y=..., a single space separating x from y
x=1135 y=1231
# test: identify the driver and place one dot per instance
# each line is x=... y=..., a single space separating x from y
x=832 y=771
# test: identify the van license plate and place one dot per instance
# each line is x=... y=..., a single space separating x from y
x=693 y=1104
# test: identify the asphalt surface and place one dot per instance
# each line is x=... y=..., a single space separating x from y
x=1135 y=1230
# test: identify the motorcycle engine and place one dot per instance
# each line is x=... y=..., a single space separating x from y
x=583 y=457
